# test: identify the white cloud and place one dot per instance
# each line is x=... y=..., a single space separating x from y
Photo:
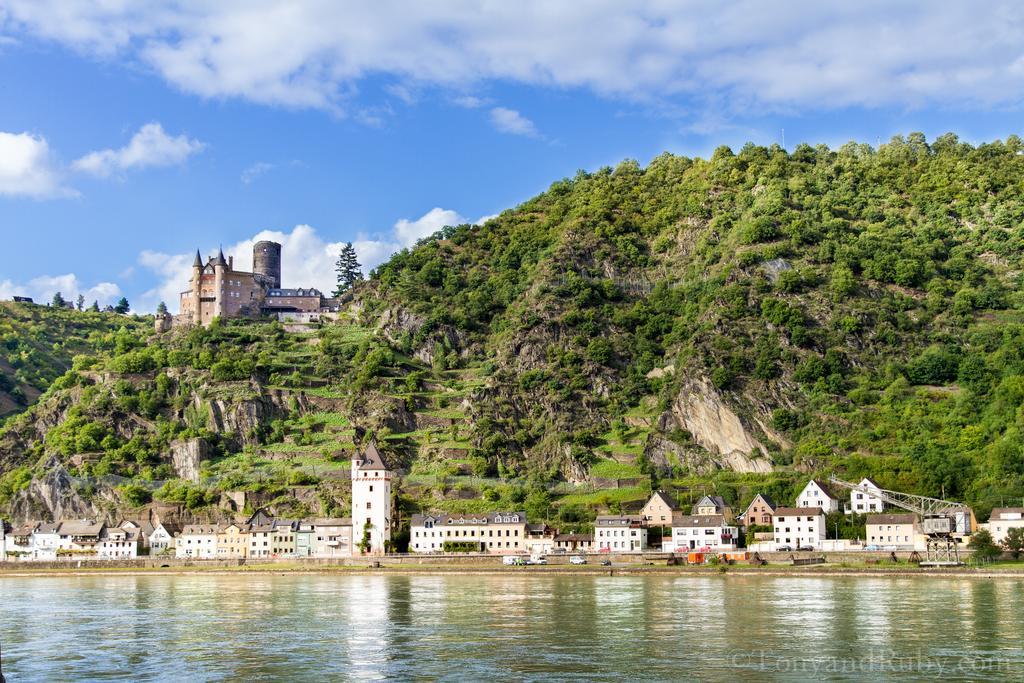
x=255 y=171
x=512 y=122
x=42 y=289
x=470 y=101
x=27 y=168
x=409 y=232
x=307 y=259
x=150 y=146
x=746 y=54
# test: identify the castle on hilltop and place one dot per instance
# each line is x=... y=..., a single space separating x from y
x=217 y=290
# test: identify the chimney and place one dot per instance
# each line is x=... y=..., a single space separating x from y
x=231 y=262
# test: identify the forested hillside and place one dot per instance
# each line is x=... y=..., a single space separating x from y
x=38 y=343
x=730 y=325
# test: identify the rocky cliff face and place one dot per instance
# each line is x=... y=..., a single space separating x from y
x=187 y=456
x=729 y=440
x=53 y=496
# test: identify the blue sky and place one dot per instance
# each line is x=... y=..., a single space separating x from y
x=132 y=133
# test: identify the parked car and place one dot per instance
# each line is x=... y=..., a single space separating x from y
x=538 y=560
x=513 y=560
x=806 y=547
x=606 y=563
x=784 y=548
x=577 y=559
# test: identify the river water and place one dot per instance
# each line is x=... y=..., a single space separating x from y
x=509 y=627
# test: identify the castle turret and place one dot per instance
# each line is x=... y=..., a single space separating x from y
x=266 y=263
x=197 y=287
x=220 y=269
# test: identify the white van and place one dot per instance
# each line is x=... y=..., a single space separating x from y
x=577 y=559
x=513 y=560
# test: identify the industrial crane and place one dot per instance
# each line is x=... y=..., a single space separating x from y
x=939 y=519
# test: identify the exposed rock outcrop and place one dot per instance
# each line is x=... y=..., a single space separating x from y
x=702 y=411
x=187 y=455
x=53 y=496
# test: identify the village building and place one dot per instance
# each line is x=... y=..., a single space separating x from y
x=575 y=543
x=660 y=510
x=261 y=538
x=759 y=512
x=47 y=541
x=540 y=539
x=861 y=502
x=79 y=537
x=712 y=505
x=896 y=531
x=818 y=495
x=802 y=527
x=162 y=538
x=371 y=502
x=282 y=540
x=233 y=541
x=333 y=537
x=1002 y=520
x=620 y=534
x=197 y=542
x=305 y=539
x=706 y=533
x=116 y=543
x=491 y=532
x=19 y=543
x=143 y=530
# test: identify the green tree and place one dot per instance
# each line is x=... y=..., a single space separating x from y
x=58 y=300
x=95 y=308
x=80 y=305
x=983 y=546
x=122 y=306
x=1014 y=541
x=161 y=308
x=348 y=269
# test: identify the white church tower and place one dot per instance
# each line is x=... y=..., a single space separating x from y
x=371 y=500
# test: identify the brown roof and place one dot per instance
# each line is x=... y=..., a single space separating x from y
x=905 y=518
x=998 y=512
x=798 y=512
x=575 y=537
x=80 y=527
x=666 y=499
x=767 y=501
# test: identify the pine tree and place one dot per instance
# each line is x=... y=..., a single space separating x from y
x=58 y=301
x=348 y=269
x=95 y=306
x=122 y=306
x=81 y=302
x=161 y=308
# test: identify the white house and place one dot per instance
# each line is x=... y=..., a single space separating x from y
x=1002 y=520
x=897 y=531
x=540 y=539
x=490 y=532
x=79 y=537
x=800 y=527
x=371 y=501
x=161 y=540
x=817 y=495
x=261 y=537
x=20 y=542
x=863 y=502
x=197 y=542
x=709 y=533
x=47 y=541
x=117 y=543
x=620 y=534
x=333 y=537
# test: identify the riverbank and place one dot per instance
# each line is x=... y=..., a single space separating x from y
x=1013 y=570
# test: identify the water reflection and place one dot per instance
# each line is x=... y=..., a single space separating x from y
x=507 y=627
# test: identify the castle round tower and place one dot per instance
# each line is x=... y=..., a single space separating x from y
x=266 y=262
